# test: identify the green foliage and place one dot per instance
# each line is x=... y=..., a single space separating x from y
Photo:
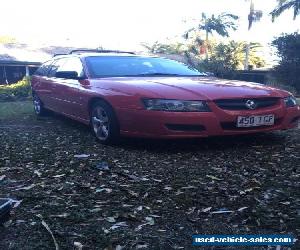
x=17 y=91
x=284 y=5
x=224 y=59
x=288 y=69
x=162 y=48
x=221 y=24
x=228 y=57
x=273 y=82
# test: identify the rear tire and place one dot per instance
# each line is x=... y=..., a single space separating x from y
x=38 y=106
x=104 y=123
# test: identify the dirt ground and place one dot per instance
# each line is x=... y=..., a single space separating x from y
x=143 y=194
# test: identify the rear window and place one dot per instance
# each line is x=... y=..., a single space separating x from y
x=113 y=66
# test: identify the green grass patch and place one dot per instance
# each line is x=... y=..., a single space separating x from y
x=15 y=109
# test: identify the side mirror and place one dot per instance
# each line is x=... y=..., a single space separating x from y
x=210 y=73
x=67 y=75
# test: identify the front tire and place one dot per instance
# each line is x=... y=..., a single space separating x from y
x=104 y=123
x=39 y=109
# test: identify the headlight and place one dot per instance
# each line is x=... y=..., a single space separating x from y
x=176 y=105
x=290 y=101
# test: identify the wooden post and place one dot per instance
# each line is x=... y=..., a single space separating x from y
x=27 y=71
x=5 y=76
x=246 y=63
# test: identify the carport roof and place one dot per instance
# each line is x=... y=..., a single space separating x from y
x=24 y=54
x=18 y=63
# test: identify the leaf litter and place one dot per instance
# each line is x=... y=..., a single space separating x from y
x=143 y=194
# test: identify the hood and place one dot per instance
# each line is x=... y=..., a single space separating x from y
x=191 y=88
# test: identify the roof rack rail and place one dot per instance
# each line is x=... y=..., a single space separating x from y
x=59 y=55
x=101 y=51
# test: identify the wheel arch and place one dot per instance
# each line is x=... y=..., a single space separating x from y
x=93 y=100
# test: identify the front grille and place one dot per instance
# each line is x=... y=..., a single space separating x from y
x=232 y=126
x=240 y=104
x=185 y=127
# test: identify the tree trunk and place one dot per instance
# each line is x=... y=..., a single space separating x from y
x=246 y=64
x=206 y=40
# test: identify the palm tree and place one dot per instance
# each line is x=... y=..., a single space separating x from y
x=220 y=24
x=284 y=5
x=253 y=16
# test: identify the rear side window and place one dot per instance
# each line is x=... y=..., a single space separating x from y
x=66 y=64
x=72 y=64
x=43 y=69
x=55 y=65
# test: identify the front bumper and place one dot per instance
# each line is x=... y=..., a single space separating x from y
x=159 y=124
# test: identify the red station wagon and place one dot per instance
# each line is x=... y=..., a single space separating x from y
x=123 y=94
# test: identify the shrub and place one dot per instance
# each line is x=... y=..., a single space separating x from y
x=226 y=58
x=218 y=67
x=288 y=69
x=273 y=82
x=17 y=91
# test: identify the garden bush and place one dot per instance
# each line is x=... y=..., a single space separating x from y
x=17 y=91
x=274 y=82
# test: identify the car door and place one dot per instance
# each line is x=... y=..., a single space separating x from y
x=54 y=85
x=40 y=84
x=66 y=90
x=49 y=86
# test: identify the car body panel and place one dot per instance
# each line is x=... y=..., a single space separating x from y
x=191 y=88
x=152 y=123
x=43 y=88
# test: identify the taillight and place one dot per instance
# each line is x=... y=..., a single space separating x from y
x=84 y=82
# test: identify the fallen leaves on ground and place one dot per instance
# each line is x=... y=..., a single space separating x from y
x=142 y=194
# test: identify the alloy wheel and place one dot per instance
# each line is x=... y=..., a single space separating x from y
x=37 y=105
x=100 y=123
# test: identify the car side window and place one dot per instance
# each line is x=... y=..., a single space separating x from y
x=72 y=64
x=43 y=69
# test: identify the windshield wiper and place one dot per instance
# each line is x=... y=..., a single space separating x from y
x=168 y=74
x=157 y=74
x=162 y=74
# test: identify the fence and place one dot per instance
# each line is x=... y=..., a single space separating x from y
x=259 y=76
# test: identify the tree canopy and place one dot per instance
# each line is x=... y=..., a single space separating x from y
x=288 y=50
x=220 y=24
x=163 y=48
x=284 y=5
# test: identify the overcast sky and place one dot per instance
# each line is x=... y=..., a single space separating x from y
x=124 y=24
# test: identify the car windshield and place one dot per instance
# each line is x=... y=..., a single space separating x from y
x=118 y=66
